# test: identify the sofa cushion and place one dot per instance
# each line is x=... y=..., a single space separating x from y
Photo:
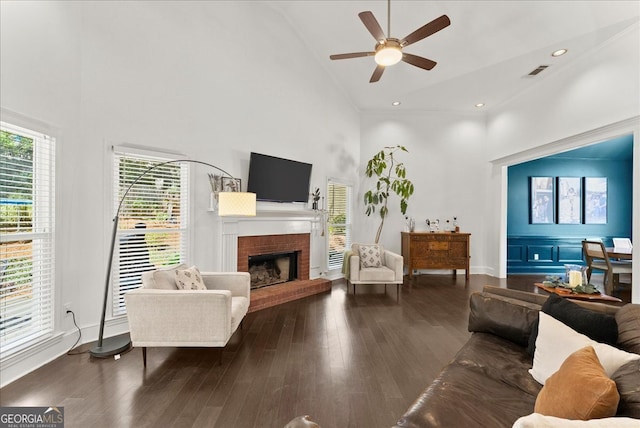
x=627 y=379
x=189 y=279
x=486 y=366
x=370 y=256
x=580 y=389
x=165 y=278
x=506 y=317
x=628 y=319
x=380 y=274
x=556 y=342
x=597 y=326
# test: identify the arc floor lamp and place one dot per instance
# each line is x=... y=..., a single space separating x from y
x=229 y=204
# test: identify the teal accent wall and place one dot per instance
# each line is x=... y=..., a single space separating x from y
x=545 y=248
x=619 y=176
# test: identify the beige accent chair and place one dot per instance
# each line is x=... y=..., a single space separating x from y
x=161 y=315
x=391 y=271
x=597 y=258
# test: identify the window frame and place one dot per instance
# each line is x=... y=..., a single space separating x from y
x=42 y=236
x=333 y=266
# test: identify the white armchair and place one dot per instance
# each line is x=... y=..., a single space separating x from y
x=161 y=315
x=389 y=271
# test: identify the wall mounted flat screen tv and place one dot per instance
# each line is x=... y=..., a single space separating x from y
x=278 y=180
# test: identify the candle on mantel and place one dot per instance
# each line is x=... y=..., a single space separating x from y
x=575 y=278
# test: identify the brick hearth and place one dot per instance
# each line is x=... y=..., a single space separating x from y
x=281 y=293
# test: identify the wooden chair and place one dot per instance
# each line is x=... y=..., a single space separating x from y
x=597 y=258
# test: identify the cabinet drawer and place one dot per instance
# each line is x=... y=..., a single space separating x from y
x=431 y=237
x=438 y=246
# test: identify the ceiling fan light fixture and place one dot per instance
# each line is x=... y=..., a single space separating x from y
x=388 y=53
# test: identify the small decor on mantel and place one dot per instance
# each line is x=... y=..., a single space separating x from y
x=434 y=225
x=316 y=197
x=216 y=187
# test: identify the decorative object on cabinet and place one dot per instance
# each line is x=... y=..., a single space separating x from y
x=232 y=204
x=595 y=200
x=410 y=224
x=442 y=250
x=569 y=200
x=391 y=178
x=542 y=200
x=434 y=225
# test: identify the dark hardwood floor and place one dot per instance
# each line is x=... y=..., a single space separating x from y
x=347 y=360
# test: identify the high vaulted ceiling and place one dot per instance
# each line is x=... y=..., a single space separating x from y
x=484 y=56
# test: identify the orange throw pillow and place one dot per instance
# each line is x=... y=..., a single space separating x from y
x=580 y=389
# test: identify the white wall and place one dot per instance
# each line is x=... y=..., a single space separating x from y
x=213 y=80
x=448 y=165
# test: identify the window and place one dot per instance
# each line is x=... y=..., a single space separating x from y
x=152 y=227
x=27 y=171
x=339 y=222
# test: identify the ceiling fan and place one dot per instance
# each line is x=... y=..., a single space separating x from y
x=388 y=50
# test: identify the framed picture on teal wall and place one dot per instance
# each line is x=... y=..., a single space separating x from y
x=595 y=200
x=542 y=202
x=569 y=200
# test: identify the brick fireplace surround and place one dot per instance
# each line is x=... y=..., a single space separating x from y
x=280 y=293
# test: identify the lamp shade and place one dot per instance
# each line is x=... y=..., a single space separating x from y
x=236 y=204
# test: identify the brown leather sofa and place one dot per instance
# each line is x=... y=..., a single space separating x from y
x=487 y=383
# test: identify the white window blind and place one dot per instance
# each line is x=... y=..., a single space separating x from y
x=27 y=195
x=339 y=222
x=152 y=228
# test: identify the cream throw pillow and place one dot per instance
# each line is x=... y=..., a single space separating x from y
x=556 y=341
x=536 y=420
x=370 y=256
x=189 y=279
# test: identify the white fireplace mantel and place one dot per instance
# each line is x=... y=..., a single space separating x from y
x=270 y=222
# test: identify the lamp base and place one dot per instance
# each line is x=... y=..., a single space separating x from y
x=111 y=346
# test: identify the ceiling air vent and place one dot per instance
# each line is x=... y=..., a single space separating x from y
x=538 y=70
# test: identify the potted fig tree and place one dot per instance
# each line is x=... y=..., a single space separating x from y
x=391 y=179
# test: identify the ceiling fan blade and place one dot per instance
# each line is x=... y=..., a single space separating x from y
x=351 y=55
x=426 y=30
x=372 y=25
x=377 y=74
x=418 y=61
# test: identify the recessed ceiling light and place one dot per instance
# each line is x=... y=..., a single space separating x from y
x=395 y=103
x=479 y=105
x=559 y=52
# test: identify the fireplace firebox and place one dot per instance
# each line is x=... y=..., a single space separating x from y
x=271 y=269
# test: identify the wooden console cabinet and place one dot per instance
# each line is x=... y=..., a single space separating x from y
x=442 y=250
